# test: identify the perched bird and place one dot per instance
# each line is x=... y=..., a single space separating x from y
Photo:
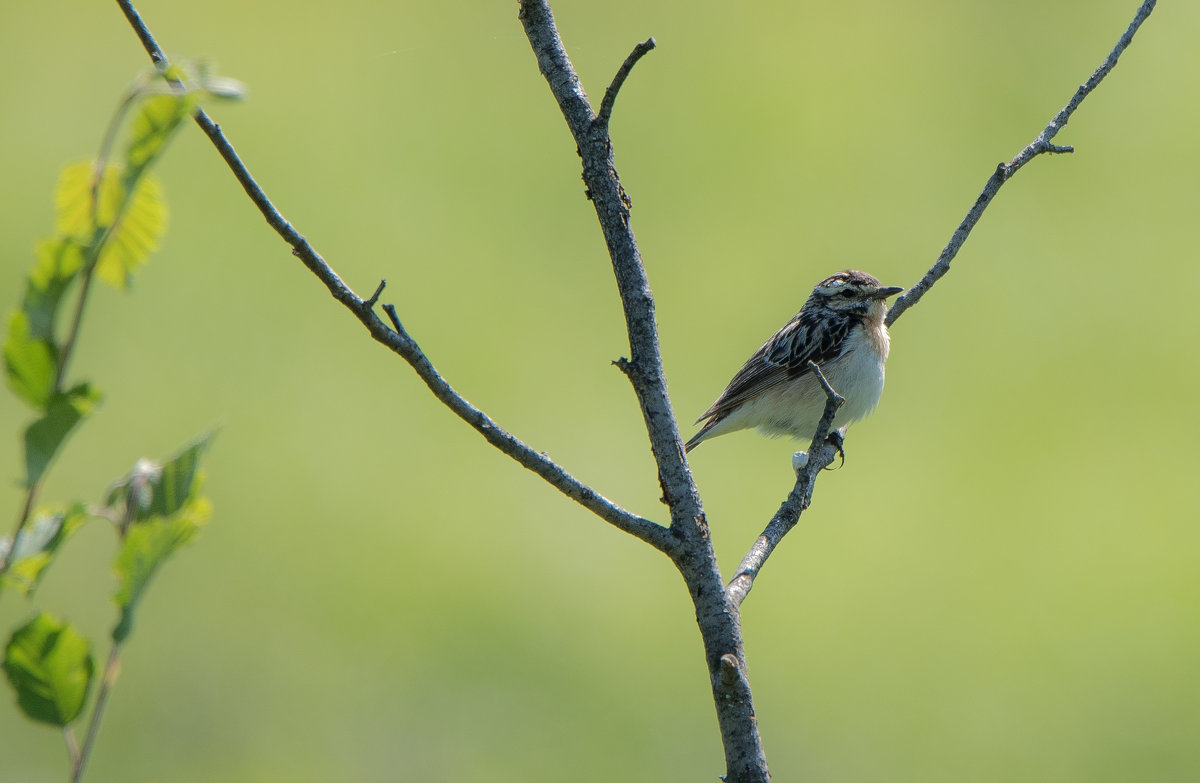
x=840 y=328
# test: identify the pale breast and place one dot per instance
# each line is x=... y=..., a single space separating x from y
x=858 y=374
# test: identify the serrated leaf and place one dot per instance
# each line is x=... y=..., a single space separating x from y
x=145 y=547
x=38 y=545
x=135 y=236
x=50 y=666
x=44 y=436
x=86 y=199
x=30 y=364
x=58 y=262
x=156 y=121
x=161 y=489
x=161 y=503
x=130 y=225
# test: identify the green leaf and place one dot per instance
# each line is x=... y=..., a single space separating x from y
x=50 y=666
x=161 y=490
x=135 y=236
x=95 y=209
x=156 y=121
x=38 y=545
x=146 y=546
x=30 y=363
x=58 y=262
x=85 y=199
x=163 y=511
x=44 y=436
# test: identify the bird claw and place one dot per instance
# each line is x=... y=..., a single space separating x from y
x=837 y=439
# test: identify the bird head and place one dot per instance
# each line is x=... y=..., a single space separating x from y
x=851 y=291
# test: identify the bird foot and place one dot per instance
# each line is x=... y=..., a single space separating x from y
x=837 y=439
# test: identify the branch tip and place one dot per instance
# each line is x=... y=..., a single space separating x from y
x=1005 y=171
x=370 y=303
x=610 y=95
x=390 y=309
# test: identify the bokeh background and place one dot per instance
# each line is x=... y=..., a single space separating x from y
x=1001 y=584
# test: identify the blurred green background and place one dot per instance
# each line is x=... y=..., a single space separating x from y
x=1001 y=584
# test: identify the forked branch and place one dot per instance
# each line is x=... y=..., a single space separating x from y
x=398 y=341
x=1005 y=171
x=798 y=500
x=686 y=541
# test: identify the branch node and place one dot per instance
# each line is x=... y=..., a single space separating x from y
x=730 y=669
x=610 y=95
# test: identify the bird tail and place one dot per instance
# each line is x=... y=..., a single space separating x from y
x=700 y=436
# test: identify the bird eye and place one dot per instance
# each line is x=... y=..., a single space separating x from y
x=847 y=293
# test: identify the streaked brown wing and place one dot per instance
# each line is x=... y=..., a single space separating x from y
x=810 y=336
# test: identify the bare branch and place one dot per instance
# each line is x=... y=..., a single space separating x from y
x=143 y=33
x=610 y=95
x=801 y=495
x=686 y=541
x=833 y=401
x=1005 y=171
x=399 y=342
x=644 y=368
x=820 y=455
x=719 y=622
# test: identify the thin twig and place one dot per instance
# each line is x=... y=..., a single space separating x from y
x=719 y=623
x=801 y=494
x=651 y=532
x=68 y=346
x=610 y=95
x=107 y=680
x=1005 y=171
x=10 y=556
x=832 y=398
x=86 y=276
x=143 y=33
x=399 y=342
x=717 y=614
x=370 y=303
x=72 y=746
x=820 y=455
x=645 y=367
x=64 y=356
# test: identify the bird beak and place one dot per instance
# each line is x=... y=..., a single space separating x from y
x=888 y=290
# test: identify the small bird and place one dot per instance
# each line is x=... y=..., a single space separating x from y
x=840 y=328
